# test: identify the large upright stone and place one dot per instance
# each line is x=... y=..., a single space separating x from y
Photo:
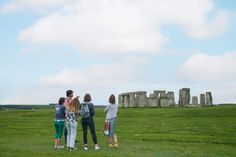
x=126 y=101
x=184 y=97
x=163 y=99
x=163 y=93
x=171 y=98
x=209 y=100
x=132 y=100
x=195 y=100
x=157 y=93
x=202 y=99
x=152 y=100
x=121 y=100
x=141 y=98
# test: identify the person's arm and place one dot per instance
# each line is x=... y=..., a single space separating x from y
x=91 y=108
x=64 y=111
x=107 y=108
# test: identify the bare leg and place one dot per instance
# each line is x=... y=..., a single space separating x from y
x=115 y=140
x=110 y=140
x=59 y=142
x=55 y=143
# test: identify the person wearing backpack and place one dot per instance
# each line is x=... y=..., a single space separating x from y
x=111 y=114
x=87 y=112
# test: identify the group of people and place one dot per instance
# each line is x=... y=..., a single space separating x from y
x=67 y=112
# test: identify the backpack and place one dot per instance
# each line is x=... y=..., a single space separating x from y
x=84 y=111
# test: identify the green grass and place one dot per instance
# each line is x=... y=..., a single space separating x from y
x=146 y=132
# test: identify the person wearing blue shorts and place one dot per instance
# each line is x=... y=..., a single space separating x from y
x=111 y=116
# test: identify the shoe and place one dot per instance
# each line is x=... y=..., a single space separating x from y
x=72 y=149
x=85 y=147
x=60 y=147
x=96 y=147
x=55 y=147
x=110 y=145
x=116 y=145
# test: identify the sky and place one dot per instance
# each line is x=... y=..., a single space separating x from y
x=105 y=47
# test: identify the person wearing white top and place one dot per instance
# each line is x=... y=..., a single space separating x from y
x=111 y=114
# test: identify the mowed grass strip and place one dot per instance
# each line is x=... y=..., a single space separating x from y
x=151 y=132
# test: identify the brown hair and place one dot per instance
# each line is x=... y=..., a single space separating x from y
x=112 y=99
x=87 y=98
x=74 y=105
x=61 y=101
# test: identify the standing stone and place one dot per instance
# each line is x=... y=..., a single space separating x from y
x=157 y=93
x=163 y=93
x=202 y=99
x=184 y=97
x=152 y=101
x=141 y=98
x=163 y=99
x=171 y=98
x=164 y=102
x=126 y=101
x=132 y=99
x=194 y=100
x=121 y=100
x=137 y=97
x=160 y=93
x=209 y=101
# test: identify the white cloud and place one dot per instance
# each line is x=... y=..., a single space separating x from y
x=125 y=26
x=37 y=6
x=205 y=29
x=100 y=75
x=99 y=79
x=203 y=67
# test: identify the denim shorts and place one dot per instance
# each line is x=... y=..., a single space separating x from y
x=112 y=127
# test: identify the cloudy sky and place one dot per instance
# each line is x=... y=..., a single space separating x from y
x=113 y=46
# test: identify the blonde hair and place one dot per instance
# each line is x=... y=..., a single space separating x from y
x=74 y=105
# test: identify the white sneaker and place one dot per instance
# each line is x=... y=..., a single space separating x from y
x=72 y=149
x=96 y=147
x=85 y=147
x=60 y=147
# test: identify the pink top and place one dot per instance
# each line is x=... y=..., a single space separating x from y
x=67 y=101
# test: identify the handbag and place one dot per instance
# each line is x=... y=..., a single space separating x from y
x=106 y=128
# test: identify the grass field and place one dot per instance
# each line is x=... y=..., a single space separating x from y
x=159 y=132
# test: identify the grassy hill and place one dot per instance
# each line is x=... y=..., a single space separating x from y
x=142 y=132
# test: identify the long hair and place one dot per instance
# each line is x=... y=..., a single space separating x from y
x=112 y=99
x=74 y=105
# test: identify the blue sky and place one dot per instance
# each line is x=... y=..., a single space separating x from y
x=113 y=46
